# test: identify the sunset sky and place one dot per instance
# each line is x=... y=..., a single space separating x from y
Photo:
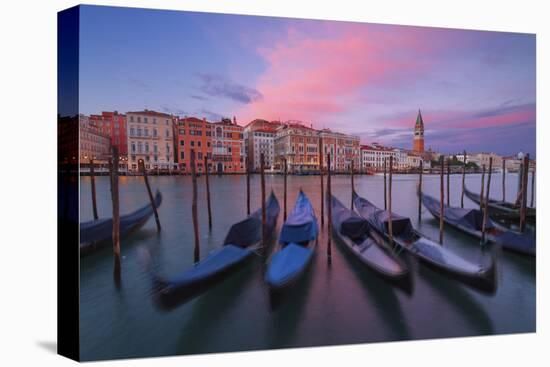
x=476 y=89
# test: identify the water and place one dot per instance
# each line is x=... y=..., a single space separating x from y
x=340 y=303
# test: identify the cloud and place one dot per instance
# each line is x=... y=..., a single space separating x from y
x=219 y=86
x=174 y=110
x=200 y=98
x=138 y=83
x=210 y=115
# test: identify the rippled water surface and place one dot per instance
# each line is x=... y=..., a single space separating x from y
x=333 y=304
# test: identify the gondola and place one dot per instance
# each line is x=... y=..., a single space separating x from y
x=297 y=243
x=441 y=259
x=243 y=240
x=503 y=210
x=96 y=234
x=470 y=221
x=354 y=233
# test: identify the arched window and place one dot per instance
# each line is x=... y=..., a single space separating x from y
x=219 y=133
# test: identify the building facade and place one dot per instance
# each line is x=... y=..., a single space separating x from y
x=93 y=143
x=299 y=145
x=193 y=134
x=373 y=157
x=113 y=124
x=259 y=137
x=150 y=137
x=228 y=147
x=418 y=140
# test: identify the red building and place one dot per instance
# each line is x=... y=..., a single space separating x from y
x=113 y=124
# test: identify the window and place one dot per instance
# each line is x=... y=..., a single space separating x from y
x=139 y=131
x=182 y=143
x=139 y=119
x=140 y=147
x=200 y=155
x=133 y=148
x=146 y=147
x=155 y=148
x=154 y=133
x=167 y=122
x=167 y=133
x=182 y=155
x=131 y=118
x=192 y=143
x=145 y=119
x=146 y=132
x=182 y=131
x=199 y=143
x=208 y=144
x=154 y=120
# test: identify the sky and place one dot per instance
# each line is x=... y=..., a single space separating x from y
x=476 y=89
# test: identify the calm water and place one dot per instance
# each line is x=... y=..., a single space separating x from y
x=334 y=304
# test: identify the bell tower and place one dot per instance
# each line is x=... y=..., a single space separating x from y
x=418 y=142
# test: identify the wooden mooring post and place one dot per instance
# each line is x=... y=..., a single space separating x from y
x=533 y=187
x=194 y=214
x=207 y=178
x=503 y=180
x=352 y=185
x=92 y=183
x=116 y=212
x=264 y=218
x=481 y=192
x=486 y=204
x=141 y=165
x=329 y=219
x=285 y=174
x=448 y=181
x=247 y=186
x=524 y=180
x=463 y=181
x=322 y=182
x=385 y=187
x=441 y=198
x=420 y=190
x=390 y=222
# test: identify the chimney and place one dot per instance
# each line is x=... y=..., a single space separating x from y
x=234 y=120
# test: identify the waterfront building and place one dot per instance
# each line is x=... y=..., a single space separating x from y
x=228 y=147
x=374 y=155
x=418 y=140
x=299 y=145
x=343 y=148
x=113 y=124
x=93 y=143
x=193 y=134
x=150 y=137
x=481 y=159
x=259 y=137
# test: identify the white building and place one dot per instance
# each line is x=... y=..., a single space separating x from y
x=259 y=136
x=151 y=138
x=373 y=157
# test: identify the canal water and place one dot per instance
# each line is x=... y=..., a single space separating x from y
x=340 y=303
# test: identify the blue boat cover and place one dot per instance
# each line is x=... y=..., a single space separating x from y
x=347 y=222
x=379 y=218
x=287 y=264
x=102 y=229
x=472 y=218
x=217 y=261
x=301 y=225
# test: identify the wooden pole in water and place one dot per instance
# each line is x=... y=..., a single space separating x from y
x=385 y=188
x=322 y=183
x=284 y=189
x=533 y=187
x=197 y=251
x=448 y=182
x=329 y=219
x=352 y=185
x=141 y=166
x=116 y=211
x=247 y=186
x=441 y=199
x=463 y=181
x=390 y=223
x=420 y=190
x=503 y=180
x=264 y=229
x=481 y=198
x=486 y=204
x=523 y=208
x=92 y=182
x=207 y=174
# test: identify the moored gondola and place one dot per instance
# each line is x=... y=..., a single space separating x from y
x=297 y=243
x=243 y=240
x=470 y=221
x=96 y=234
x=439 y=258
x=502 y=210
x=355 y=234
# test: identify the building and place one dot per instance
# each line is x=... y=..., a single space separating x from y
x=113 y=124
x=482 y=159
x=150 y=137
x=93 y=143
x=418 y=140
x=373 y=157
x=299 y=145
x=228 y=147
x=193 y=134
x=259 y=137
x=343 y=148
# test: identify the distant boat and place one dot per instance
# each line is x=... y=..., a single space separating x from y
x=502 y=209
x=471 y=220
x=429 y=252
x=297 y=243
x=96 y=234
x=355 y=234
x=243 y=240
